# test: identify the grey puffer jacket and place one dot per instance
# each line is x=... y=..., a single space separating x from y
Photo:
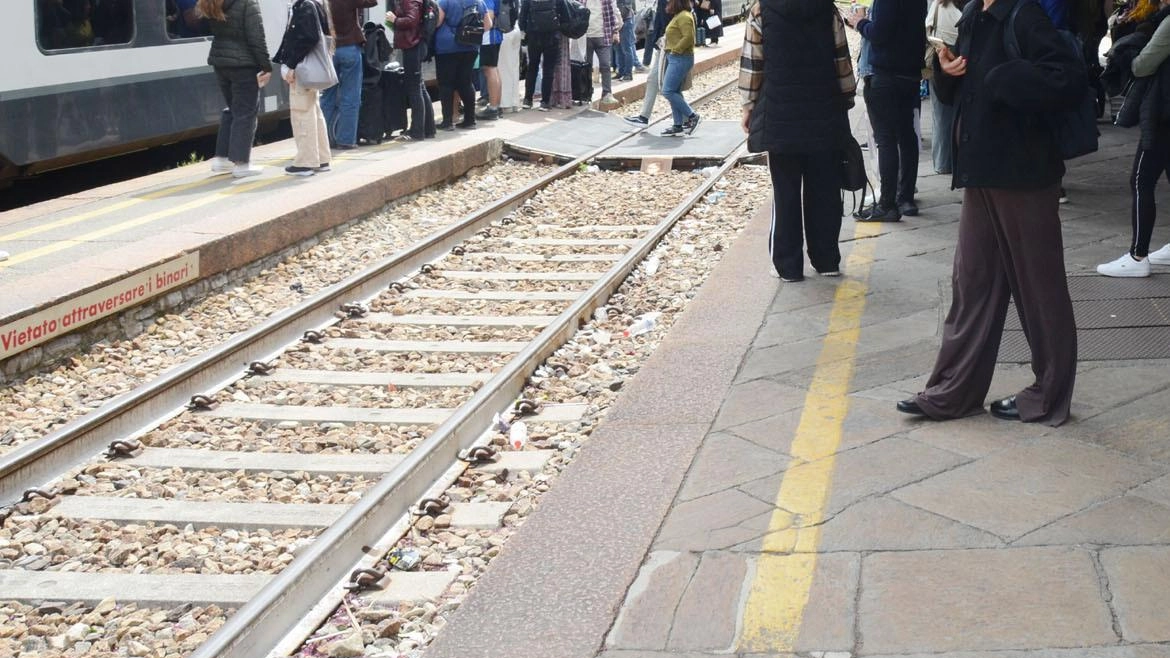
x=239 y=41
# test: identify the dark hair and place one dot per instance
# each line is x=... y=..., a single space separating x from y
x=675 y=6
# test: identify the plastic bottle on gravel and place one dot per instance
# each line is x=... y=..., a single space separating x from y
x=518 y=435
x=644 y=324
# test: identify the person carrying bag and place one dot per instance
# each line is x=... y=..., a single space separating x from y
x=307 y=66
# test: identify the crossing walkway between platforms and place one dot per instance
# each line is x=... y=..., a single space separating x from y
x=753 y=492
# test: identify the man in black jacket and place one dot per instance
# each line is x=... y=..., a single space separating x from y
x=1008 y=162
x=896 y=32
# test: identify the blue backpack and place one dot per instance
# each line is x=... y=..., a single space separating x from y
x=1075 y=129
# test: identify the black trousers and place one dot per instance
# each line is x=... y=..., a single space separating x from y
x=237 y=122
x=806 y=194
x=890 y=101
x=544 y=49
x=422 y=111
x=1010 y=246
x=454 y=73
x=1148 y=166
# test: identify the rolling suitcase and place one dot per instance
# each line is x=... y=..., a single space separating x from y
x=394 y=100
x=581 y=82
x=371 y=115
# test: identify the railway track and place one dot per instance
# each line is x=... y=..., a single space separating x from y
x=526 y=277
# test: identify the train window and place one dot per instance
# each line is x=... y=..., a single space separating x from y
x=65 y=24
x=184 y=21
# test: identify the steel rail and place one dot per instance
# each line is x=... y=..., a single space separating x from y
x=261 y=624
x=35 y=463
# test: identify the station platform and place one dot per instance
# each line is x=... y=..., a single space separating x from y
x=753 y=492
x=91 y=256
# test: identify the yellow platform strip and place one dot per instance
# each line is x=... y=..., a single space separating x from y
x=784 y=572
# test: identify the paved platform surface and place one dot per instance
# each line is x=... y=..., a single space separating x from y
x=753 y=492
x=588 y=130
x=90 y=247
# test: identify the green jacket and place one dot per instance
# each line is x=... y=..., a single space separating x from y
x=680 y=34
x=239 y=41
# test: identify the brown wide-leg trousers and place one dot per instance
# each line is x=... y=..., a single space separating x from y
x=1010 y=246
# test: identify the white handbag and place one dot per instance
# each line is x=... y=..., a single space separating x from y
x=316 y=70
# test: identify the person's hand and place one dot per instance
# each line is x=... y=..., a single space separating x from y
x=263 y=77
x=951 y=65
x=617 y=37
x=858 y=14
x=747 y=119
x=390 y=18
x=290 y=77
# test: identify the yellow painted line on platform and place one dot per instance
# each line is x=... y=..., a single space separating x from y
x=784 y=572
x=24 y=257
x=105 y=210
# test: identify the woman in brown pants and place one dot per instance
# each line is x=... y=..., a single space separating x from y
x=1010 y=245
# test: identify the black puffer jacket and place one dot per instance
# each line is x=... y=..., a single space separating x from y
x=307 y=24
x=800 y=108
x=1003 y=135
x=238 y=42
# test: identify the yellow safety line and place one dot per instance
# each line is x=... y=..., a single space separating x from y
x=785 y=569
x=126 y=203
x=24 y=257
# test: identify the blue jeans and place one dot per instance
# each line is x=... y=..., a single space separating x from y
x=341 y=102
x=624 y=53
x=677 y=67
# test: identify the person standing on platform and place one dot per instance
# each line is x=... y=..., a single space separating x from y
x=941 y=23
x=654 y=58
x=1010 y=244
x=896 y=32
x=510 y=66
x=715 y=8
x=239 y=55
x=797 y=85
x=407 y=24
x=599 y=39
x=489 y=60
x=679 y=46
x=342 y=102
x=455 y=62
x=624 y=52
x=540 y=22
x=307 y=23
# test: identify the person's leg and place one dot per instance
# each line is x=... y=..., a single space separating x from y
x=329 y=107
x=974 y=325
x=604 y=52
x=881 y=104
x=412 y=80
x=321 y=131
x=491 y=75
x=942 y=139
x=1148 y=166
x=785 y=239
x=626 y=47
x=671 y=84
x=245 y=103
x=349 y=100
x=823 y=210
x=445 y=74
x=652 y=82
x=224 y=138
x=535 y=54
x=464 y=70
x=907 y=103
x=549 y=61
x=303 y=122
x=1032 y=250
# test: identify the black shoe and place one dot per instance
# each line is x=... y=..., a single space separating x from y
x=910 y=407
x=293 y=170
x=324 y=167
x=465 y=125
x=907 y=208
x=673 y=131
x=527 y=104
x=488 y=113
x=876 y=213
x=445 y=126
x=1005 y=409
x=638 y=120
x=692 y=123
x=345 y=147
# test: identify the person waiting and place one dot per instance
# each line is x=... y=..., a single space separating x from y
x=342 y=102
x=307 y=23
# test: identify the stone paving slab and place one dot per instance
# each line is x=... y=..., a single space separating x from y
x=1139 y=577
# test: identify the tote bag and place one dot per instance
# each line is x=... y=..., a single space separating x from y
x=316 y=70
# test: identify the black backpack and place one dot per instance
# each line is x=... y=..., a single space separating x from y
x=506 y=16
x=1074 y=129
x=543 y=16
x=469 y=31
x=429 y=24
x=576 y=21
x=376 y=53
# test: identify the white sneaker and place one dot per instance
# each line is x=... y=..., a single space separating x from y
x=1125 y=266
x=1160 y=257
x=608 y=99
x=244 y=170
x=3 y=256
x=221 y=166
